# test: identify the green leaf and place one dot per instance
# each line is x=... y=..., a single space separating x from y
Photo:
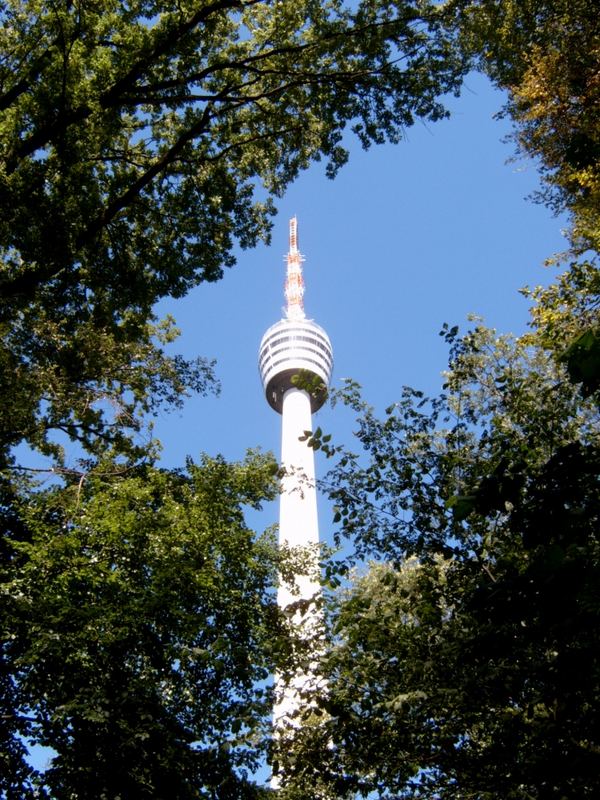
x=462 y=505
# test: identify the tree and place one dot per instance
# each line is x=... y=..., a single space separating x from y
x=134 y=137
x=93 y=387
x=464 y=663
x=546 y=55
x=140 y=144
x=565 y=322
x=140 y=628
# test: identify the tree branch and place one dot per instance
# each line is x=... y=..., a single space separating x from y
x=119 y=203
x=9 y=97
x=110 y=98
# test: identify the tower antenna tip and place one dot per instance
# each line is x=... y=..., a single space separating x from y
x=294 y=282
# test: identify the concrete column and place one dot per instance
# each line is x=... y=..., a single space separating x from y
x=298 y=528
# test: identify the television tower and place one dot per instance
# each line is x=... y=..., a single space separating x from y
x=292 y=347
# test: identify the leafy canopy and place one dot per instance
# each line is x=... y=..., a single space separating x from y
x=135 y=137
x=139 y=628
x=139 y=145
x=464 y=663
x=545 y=54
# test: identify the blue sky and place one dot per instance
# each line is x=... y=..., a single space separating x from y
x=405 y=238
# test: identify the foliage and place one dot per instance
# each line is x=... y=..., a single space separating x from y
x=134 y=138
x=547 y=55
x=465 y=663
x=565 y=322
x=90 y=386
x=139 y=626
x=139 y=145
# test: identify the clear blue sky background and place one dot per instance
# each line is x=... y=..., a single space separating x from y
x=405 y=238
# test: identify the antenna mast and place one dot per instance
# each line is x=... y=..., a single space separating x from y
x=294 y=283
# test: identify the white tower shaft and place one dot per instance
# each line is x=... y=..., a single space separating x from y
x=298 y=531
x=298 y=525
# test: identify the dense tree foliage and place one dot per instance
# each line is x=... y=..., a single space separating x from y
x=140 y=143
x=546 y=54
x=88 y=385
x=141 y=630
x=134 y=136
x=464 y=664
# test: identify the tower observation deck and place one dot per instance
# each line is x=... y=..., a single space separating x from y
x=289 y=348
x=295 y=344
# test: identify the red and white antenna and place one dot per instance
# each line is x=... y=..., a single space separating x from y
x=294 y=282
